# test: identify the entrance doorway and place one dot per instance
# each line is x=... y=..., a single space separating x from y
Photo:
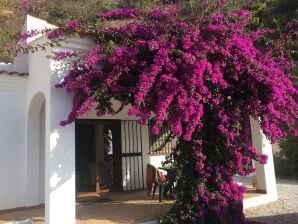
x=98 y=157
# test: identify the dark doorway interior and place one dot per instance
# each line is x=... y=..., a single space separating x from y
x=98 y=151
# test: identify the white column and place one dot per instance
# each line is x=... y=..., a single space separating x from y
x=60 y=167
x=265 y=174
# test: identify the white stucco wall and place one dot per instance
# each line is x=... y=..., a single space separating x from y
x=157 y=160
x=12 y=141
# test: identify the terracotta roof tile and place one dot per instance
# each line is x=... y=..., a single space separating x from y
x=3 y=72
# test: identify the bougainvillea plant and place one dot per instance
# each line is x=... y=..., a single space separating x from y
x=205 y=79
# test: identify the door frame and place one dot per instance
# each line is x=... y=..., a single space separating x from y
x=115 y=126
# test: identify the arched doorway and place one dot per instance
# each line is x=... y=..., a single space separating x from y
x=35 y=179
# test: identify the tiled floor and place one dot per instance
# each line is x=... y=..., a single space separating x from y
x=134 y=207
x=121 y=208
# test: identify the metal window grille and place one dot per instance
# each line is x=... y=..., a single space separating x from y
x=132 y=155
x=157 y=143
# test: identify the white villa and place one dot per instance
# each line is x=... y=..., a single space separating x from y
x=38 y=157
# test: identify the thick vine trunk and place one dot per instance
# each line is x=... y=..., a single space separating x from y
x=205 y=190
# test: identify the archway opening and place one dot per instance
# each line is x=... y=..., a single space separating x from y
x=35 y=188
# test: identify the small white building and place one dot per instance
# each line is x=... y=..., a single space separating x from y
x=38 y=162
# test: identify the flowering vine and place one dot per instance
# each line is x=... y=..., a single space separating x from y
x=205 y=79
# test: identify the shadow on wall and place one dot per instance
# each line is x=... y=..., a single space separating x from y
x=291 y=218
x=61 y=172
x=61 y=138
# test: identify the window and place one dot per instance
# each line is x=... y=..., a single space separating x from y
x=163 y=143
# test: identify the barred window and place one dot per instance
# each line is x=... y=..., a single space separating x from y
x=163 y=143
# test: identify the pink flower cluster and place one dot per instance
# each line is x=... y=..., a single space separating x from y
x=55 y=34
x=73 y=25
x=26 y=35
x=64 y=54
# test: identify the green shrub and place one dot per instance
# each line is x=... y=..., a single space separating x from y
x=286 y=161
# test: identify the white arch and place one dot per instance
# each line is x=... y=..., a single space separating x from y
x=35 y=155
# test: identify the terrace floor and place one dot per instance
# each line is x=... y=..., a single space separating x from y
x=110 y=208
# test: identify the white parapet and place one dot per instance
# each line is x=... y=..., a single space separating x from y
x=6 y=67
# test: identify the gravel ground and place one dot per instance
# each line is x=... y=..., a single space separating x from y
x=283 y=211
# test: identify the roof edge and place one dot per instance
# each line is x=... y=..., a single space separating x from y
x=13 y=73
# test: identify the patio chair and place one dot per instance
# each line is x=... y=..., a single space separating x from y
x=154 y=179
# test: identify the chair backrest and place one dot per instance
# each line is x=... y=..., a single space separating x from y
x=151 y=174
x=154 y=178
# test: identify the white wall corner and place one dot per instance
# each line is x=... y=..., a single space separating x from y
x=265 y=174
x=33 y=23
x=21 y=62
